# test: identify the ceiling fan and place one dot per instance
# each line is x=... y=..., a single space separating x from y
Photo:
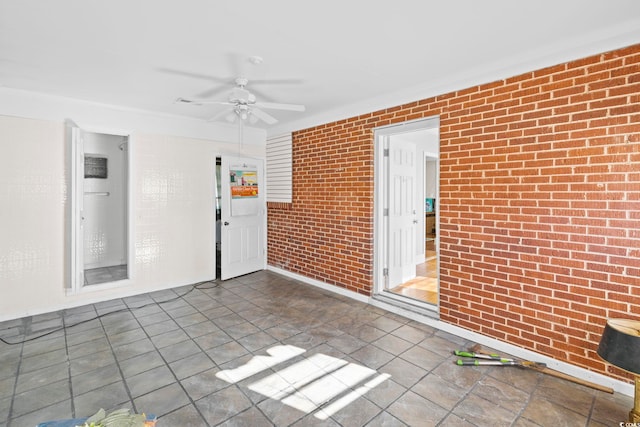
x=244 y=105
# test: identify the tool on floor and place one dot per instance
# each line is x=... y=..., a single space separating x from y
x=480 y=358
x=493 y=359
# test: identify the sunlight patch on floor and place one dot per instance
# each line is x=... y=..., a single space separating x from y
x=345 y=400
x=277 y=355
x=307 y=384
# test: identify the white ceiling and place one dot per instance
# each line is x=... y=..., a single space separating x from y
x=338 y=57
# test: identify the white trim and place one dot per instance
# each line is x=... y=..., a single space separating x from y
x=76 y=200
x=98 y=117
x=379 y=191
x=320 y=284
x=518 y=352
x=87 y=289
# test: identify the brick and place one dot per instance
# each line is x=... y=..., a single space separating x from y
x=539 y=204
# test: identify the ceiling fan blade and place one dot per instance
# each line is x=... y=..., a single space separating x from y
x=267 y=118
x=196 y=75
x=201 y=102
x=209 y=93
x=276 y=106
x=276 y=81
x=224 y=113
x=225 y=83
x=260 y=94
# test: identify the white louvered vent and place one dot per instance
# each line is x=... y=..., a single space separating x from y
x=279 y=169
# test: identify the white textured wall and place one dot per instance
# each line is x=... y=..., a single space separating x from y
x=172 y=217
x=32 y=202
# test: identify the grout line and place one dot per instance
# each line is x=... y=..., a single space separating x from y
x=66 y=347
x=15 y=382
x=115 y=358
x=167 y=364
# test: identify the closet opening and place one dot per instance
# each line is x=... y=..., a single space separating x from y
x=105 y=208
x=100 y=209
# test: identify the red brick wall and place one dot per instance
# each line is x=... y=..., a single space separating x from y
x=539 y=204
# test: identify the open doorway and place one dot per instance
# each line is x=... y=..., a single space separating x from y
x=406 y=233
x=105 y=208
x=424 y=286
x=99 y=217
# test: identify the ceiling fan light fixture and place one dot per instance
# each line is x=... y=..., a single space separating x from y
x=241 y=111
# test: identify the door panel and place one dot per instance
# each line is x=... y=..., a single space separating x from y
x=76 y=268
x=402 y=212
x=253 y=246
x=243 y=216
x=234 y=251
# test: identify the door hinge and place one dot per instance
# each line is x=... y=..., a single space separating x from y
x=385 y=152
x=385 y=212
x=385 y=272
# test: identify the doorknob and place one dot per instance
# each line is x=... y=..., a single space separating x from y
x=226 y=223
x=415 y=221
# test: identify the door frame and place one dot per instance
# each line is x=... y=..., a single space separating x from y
x=431 y=157
x=380 y=201
x=75 y=282
x=76 y=198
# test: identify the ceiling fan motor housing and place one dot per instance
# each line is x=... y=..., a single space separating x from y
x=240 y=95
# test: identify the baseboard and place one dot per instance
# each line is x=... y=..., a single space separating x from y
x=95 y=294
x=389 y=299
x=485 y=341
x=320 y=284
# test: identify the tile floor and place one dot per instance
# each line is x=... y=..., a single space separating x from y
x=264 y=350
x=95 y=276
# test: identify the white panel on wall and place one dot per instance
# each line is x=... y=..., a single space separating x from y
x=279 y=169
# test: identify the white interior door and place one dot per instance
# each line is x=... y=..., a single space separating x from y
x=243 y=217
x=76 y=268
x=403 y=218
